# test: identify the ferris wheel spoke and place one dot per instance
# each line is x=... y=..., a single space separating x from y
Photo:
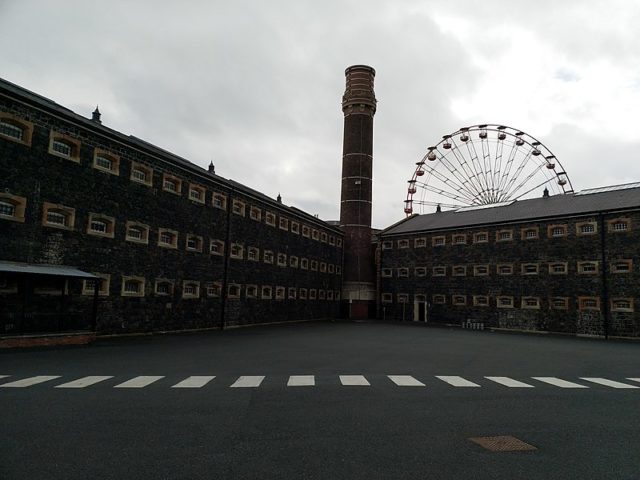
x=469 y=175
x=534 y=188
x=446 y=180
x=455 y=194
x=439 y=204
x=504 y=179
x=515 y=190
x=517 y=173
x=479 y=171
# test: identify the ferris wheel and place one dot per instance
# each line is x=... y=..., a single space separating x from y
x=483 y=165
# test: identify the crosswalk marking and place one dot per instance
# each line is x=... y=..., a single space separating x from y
x=195 y=381
x=608 y=383
x=85 y=381
x=358 y=380
x=509 y=382
x=301 y=381
x=139 y=382
x=248 y=381
x=457 y=381
x=27 y=382
x=405 y=381
x=558 y=382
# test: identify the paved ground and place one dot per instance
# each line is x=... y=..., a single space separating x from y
x=322 y=401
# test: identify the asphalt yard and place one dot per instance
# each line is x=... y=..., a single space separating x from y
x=326 y=401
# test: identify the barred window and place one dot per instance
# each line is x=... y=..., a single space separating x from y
x=266 y=293
x=459 y=300
x=238 y=208
x=267 y=256
x=190 y=289
x=387 y=272
x=403 y=243
x=282 y=259
x=216 y=247
x=234 y=290
x=420 y=242
x=10 y=129
x=141 y=174
x=586 y=228
x=255 y=213
x=106 y=162
x=403 y=272
x=588 y=268
x=171 y=184
x=420 y=271
x=504 y=235
x=622 y=266
x=555 y=231
x=439 y=271
x=218 y=200
x=197 y=193
x=194 y=243
x=101 y=225
x=439 y=299
x=167 y=238
x=163 y=287
x=237 y=251
x=403 y=298
x=459 y=271
x=214 y=289
x=251 y=291
x=589 y=303
x=480 y=237
x=304 y=263
x=530 y=303
x=253 y=254
x=270 y=219
x=504 y=269
x=504 y=302
x=558 y=268
x=480 y=301
x=439 y=241
x=132 y=286
x=284 y=223
x=58 y=216
x=619 y=225
x=622 y=304
x=530 y=233
x=387 y=245
x=559 y=303
x=481 y=270
x=137 y=232
x=459 y=239
x=529 y=269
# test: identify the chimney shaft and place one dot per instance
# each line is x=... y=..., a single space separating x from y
x=359 y=107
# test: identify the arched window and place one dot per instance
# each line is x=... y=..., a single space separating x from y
x=15 y=129
x=11 y=129
x=58 y=216
x=7 y=208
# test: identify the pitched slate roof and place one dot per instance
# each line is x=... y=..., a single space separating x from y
x=591 y=201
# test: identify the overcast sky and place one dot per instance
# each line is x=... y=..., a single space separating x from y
x=256 y=85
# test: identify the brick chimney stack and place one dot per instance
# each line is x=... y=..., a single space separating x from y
x=359 y=107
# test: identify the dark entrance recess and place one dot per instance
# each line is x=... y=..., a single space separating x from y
x=38 y=298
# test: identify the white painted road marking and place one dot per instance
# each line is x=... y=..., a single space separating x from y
x=457 y=381
x=608 y=383
x=301 y=381
x=509 y=382
x=248 y=381
x=354 y=380
x=4 y=376
x=405 y=381
x=558 y=382
x=634 y=379
x=27 y=382
x=194 y=381
x=139 y=382
x=84 y=382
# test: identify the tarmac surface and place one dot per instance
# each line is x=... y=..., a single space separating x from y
x=361 y=400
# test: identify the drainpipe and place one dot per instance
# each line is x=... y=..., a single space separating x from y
x=605 y=289
x=225 y=268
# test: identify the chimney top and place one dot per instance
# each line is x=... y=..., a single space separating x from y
x=212 y=168
x=279 y=198
x=545 y=193
x=95 y=116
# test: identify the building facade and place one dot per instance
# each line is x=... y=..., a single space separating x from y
x=566 y=263
x=175 y=246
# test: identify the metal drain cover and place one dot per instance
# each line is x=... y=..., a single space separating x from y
x=504 y=443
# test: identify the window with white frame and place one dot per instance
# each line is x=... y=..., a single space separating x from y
x=291 y=293
x=58 y=216
x=270 y=219
x=167 y=238
x=89 y=285
x=439 y=271
x=64 y=146
x=12 y=207
x=213 y=289
x=236 y=251
x=387 y=272
x=459 y=239
x=315 y=234
x=622 y=305
x=15 y=129
x=480 y=237
x=106 y=162
x=137 y=232
x=323 y=237
x=403 y=272
x=619 y=225
x=459 y=300
x=439 y=241
x=323 y=267
x=101 y=225
x=238 y=207
x=420 y=242
x=530 y=233
x=141 y=174
x=481 y=270
x=302 y=295
x=190 y=289
x=251 y=291
x=559 y=303
x=459 y=270
x=558 y=268
x=233 y=290
x=480 y=301
x=253 y=254
x=216 y=247
x=439 y=299
x=171 y=184
x=266 y=292
x=219 y=200
x=331 y=268
x=197 y=193
x=339 y=242
x=194 y=243
x=586 y=228
x=529 y=269
x=312 y=294
x=403 y=243
x=504 y=269
x=530 y=303
x=420 y=271
x=589 y=303
x=283 y=224
x=163 y=287
x=588 y=268
x=293 y=261
x=255 y=213
x=306 y=231
x=304 y=263
x=314 y=265
x=504 y=235
x=403 y=298
x=622 y=266
x=504 y=302
x=332 y=239
x=556 y=231
x=280 y=291
x=267 y=256
x=387 y=297
x=387 y=244
x=282 y=259
x=132 y=286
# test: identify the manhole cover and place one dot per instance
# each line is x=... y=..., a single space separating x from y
x=504 y=443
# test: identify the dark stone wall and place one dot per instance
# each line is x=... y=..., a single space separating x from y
x=32 y=172
x=572 y=249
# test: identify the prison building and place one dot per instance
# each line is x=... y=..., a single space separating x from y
x=158 y=242
x=564 y=263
